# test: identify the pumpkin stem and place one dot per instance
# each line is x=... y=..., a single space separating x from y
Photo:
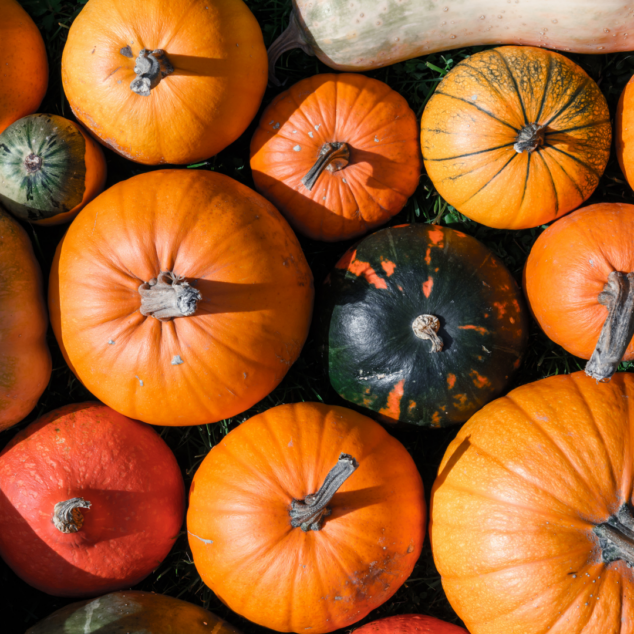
x=150 y=68
x=426 y=327
x=618 y=328
x=307 y=513
x=168 y=296
x=33 y=163
x=292 y=37
x=67 y=517
x=616 y=537
x=530 y=137
x=333 y=157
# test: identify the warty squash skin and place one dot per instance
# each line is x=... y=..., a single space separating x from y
x=531 y=516
x=132 y=612
x=408 y=624
x=233 y=260
x=25 y=362
x=24 y=71
x=515 y=137
x=299 y=577
x=124 y=493
x=208 y=69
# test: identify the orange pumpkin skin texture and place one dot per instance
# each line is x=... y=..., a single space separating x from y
x=410 y=624
x=25 y=362
x=211 y=86
x=521 y=505
x=232 y=246
x=121 y=467
x=365 y=189
x=24 y=75
x=515 y=137
x=624 y=131
x=281 y=577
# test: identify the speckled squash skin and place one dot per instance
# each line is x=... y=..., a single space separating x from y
x=127 y=473
x=281 y=577
x=473 y=126
x=25 y=362
x=408 y=624
x=371 y=300
x=518 y=503
x=132 y=612
x=24 y=70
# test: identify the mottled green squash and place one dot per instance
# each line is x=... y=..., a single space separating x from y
x=422 y=324
x=132 y=612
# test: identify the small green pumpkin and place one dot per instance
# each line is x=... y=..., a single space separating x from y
x=49 y=169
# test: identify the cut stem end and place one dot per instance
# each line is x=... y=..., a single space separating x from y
x=168 y=296
x=530 y=137
x=332 y=157
x=67 y=517
x=150 y=68
x=426 y=327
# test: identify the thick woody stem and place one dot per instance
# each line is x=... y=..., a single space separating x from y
x=292 y=37
x=307 y=513
x=150 y=68
x=616 y=537
x=67 y=517
x=618 y=328
x=530 y=137
x=426 y=327
x=333 y=157
x=168 y=296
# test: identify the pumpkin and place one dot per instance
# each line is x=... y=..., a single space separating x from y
x=24 y=65
x=532 y=519
x=579 y=281
x=337 y=155
x=306 y=516
x=624 y=132
x=165 y=82
x=407 y=624
x=49 y=169
x=368 y=34
x=133 y=612
x=180 y=297
x=90 y=501
x=515 y=137
x=421 y=324
x=25 y=362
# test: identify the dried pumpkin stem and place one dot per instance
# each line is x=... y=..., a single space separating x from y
x=616 y=537
x=332 y=157
x=426 y=327
x=530 y=137
x=150 y=68
x=33 y=163
x=67 y=517
x=618 y=328
x=168 y=296
x=292 y=37
x=307 y=513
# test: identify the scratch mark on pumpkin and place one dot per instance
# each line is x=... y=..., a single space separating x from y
x=363 y=268
x=204 y=541
x=393 y=407
x=176 y=360
x=479 y=329
x=428 y=286
x=140 y=381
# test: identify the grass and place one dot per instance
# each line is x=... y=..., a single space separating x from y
x=416 y=80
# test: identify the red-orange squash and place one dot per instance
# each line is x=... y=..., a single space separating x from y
x=293 y=561
x=337 y=154
x=90 y=501
x=25 y=362
x=579 y=281
x=532 y=523
x=410 y=624
x=515 y=137
x=180 y=297
x=24 y=71
x=165 y=82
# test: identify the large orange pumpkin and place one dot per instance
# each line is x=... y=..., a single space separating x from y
x=288 y=534
x=579 y=281
x=532 y=523
x=515 y=137
x=25 y=362
x=180 y=297
x=24 y=70
x=337 y=154
x=165 y=82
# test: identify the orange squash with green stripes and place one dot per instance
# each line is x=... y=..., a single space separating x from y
x=515 y=137
x=422 y=324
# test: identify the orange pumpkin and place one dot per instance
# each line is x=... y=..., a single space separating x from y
x=306 y=517
x=337 y=154
x=515 y=137
x=579 y=281
x=25 y=362
x=180 y=297
x=165 y=82
x=24 y=75
x=624 y=131
x=532 y=524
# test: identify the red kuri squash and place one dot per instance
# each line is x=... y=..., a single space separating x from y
x=410 y=624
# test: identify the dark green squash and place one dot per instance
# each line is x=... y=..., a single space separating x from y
x=132 y=612
x=417 y=278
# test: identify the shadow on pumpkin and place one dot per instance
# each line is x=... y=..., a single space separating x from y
x=190 y=65
x=350 y=501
